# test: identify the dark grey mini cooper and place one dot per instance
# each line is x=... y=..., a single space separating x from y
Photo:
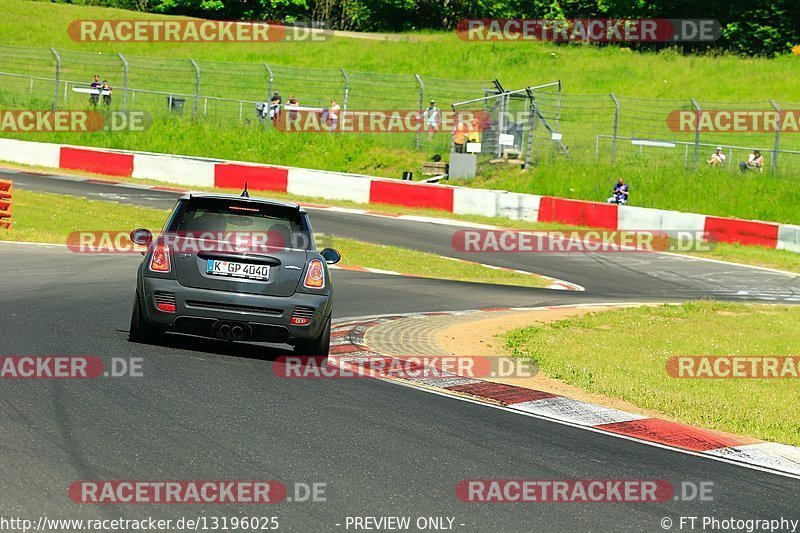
x=235 y=268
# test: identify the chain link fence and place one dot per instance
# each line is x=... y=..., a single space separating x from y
x=541 y=123
x=216 y=90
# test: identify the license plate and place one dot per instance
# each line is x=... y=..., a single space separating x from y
x=232 y=269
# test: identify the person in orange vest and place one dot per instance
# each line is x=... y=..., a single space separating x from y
x=475 y=127
x=460 y=137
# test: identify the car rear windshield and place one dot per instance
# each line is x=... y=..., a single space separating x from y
x=199 y=216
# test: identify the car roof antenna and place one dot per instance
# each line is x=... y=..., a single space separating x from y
x=244 y=192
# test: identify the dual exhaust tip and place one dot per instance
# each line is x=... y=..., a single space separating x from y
x=231 y=332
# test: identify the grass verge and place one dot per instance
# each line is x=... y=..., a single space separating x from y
x=658 y=176
x=623 y=353
x=736 y=253
x=50 y=218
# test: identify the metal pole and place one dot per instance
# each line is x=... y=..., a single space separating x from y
x=196 y=86
x=268 y=122
x=58 y=72
x=500 y=125
x=271 y=80
x=616 y=127
x=696 y=133
x=558 y=111
x=124 y=82
x=346 y=96
x=529 y=147
x=421 y=103
x=773 y=165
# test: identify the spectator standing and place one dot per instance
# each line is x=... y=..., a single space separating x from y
x=475 y=127
x=106 y=90
x=432 y=118
x=333 y=115
x=275 y=107
x=460 y=137
x=294 y=103
x=94 y=97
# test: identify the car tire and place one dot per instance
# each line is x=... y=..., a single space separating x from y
x=319 y=346
x=141 y=330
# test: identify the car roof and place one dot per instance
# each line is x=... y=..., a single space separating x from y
x=252 y=199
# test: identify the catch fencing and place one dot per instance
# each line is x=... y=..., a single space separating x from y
x=608 y=128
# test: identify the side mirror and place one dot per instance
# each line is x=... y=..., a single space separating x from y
x=142 y=236
x=331 y=256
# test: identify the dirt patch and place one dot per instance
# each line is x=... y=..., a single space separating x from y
x=480 y=336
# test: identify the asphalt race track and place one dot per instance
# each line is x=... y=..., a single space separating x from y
x=212 y=410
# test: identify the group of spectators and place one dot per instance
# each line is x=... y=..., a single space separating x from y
x=464 y=132
x=273 y=111
x=755 y=161
x=100 y=89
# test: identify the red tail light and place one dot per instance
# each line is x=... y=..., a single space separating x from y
x=160 y=259
x=315 y=275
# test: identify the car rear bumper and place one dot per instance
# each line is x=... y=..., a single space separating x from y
x=262 y=318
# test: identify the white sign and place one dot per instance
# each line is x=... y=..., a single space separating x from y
x=556 y=136
x=506 y=139
x=473 y=148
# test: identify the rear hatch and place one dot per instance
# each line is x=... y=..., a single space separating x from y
x=238 y=246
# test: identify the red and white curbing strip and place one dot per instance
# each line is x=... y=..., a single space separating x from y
x=348 y=349
x=193 y=172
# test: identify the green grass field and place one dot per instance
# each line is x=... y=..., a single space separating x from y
x=50 y=218
x=623 y=353
x=658 y=177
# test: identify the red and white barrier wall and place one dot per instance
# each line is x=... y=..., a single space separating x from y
x=197 y=172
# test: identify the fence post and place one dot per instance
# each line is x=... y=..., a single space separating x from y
x=558 y=110
x=58 y=72
x=773 y=165
x=529 y=147
x=268 y=122
x=500 y=124
x=346 y=96
x=271 y=81
x=616 y=127
x=421 y=109
x=696 y=133
x=196 y=86
x=124 y=82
